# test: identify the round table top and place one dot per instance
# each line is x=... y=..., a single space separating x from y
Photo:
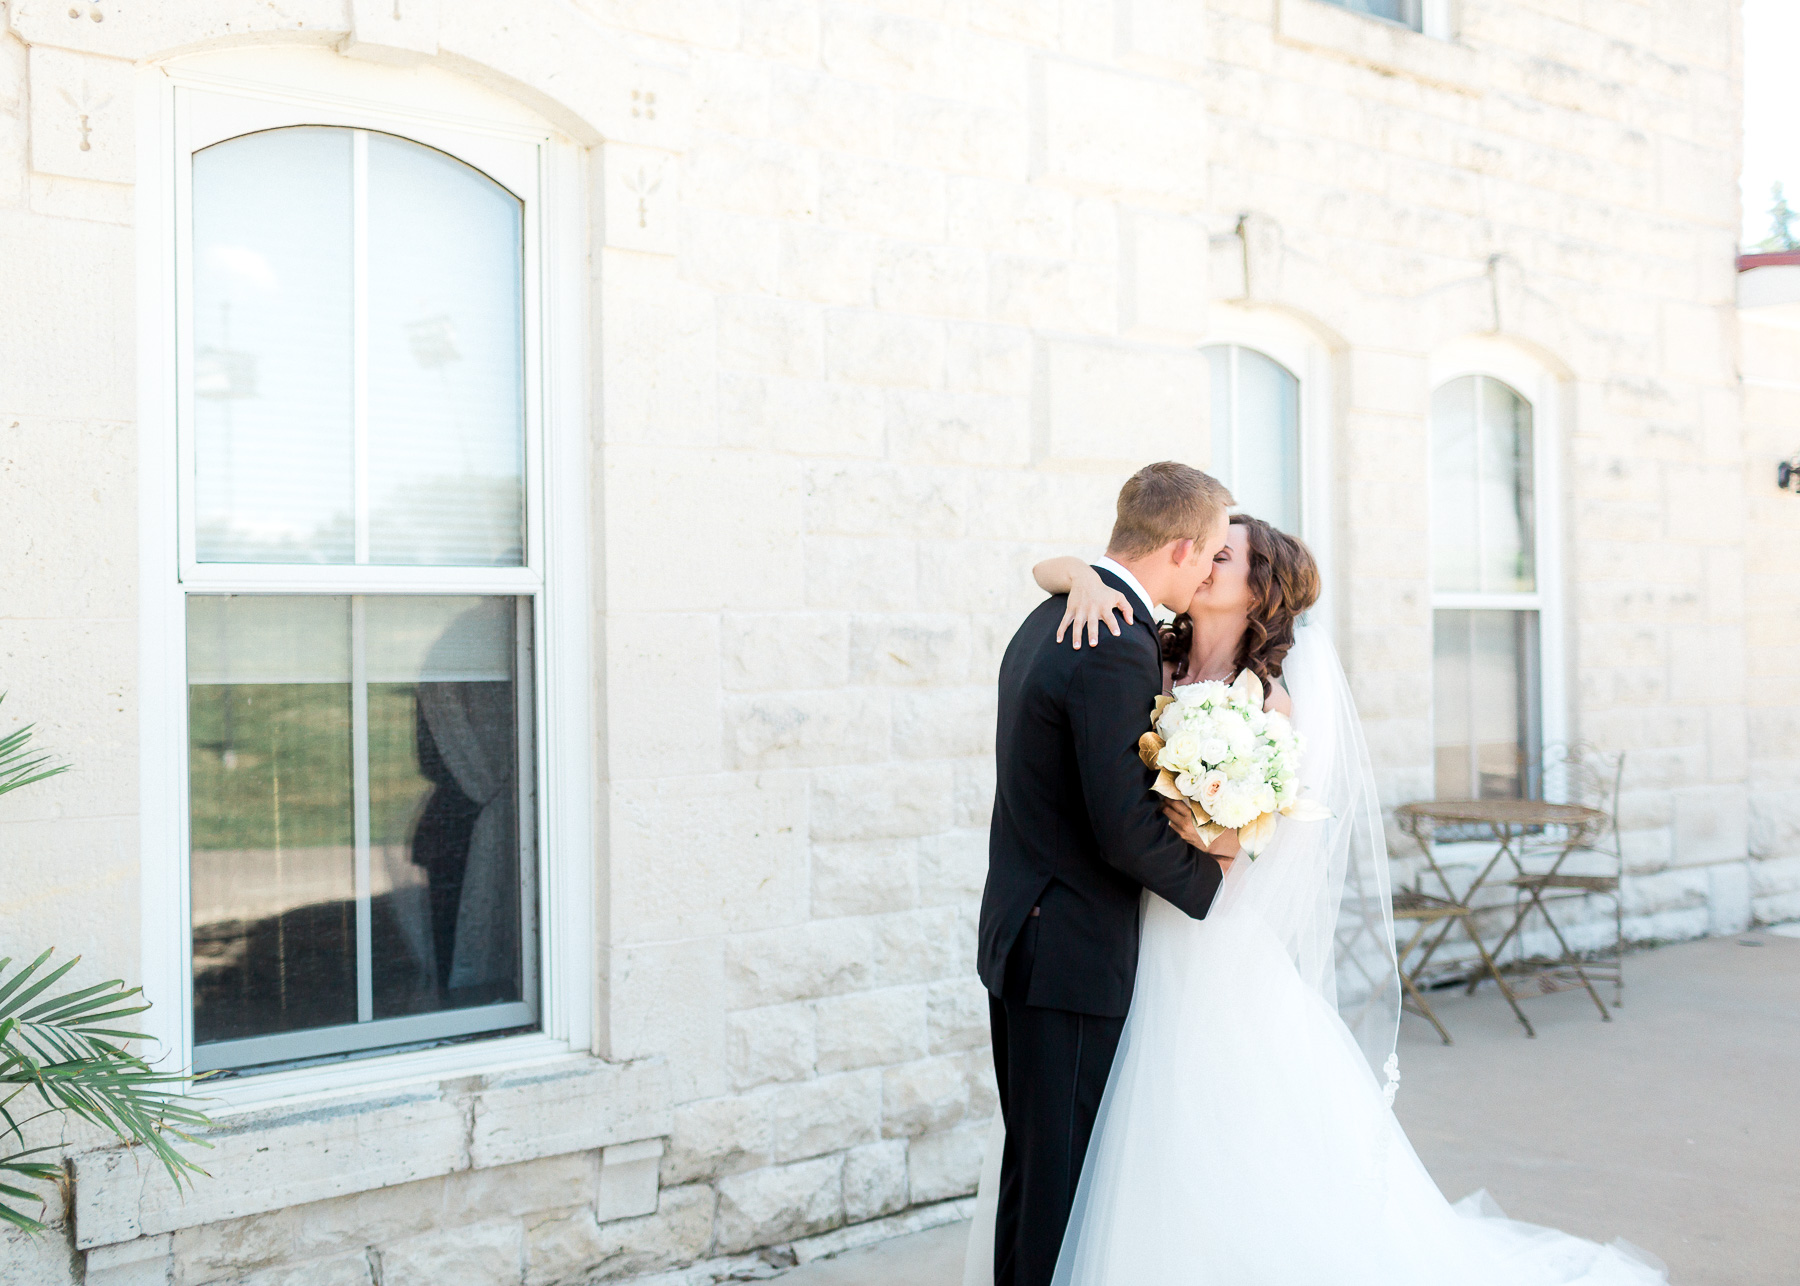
x=1518 y=812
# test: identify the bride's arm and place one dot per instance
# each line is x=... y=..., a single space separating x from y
x=1223 y=849
x=1091 y=600
x=1279 y=699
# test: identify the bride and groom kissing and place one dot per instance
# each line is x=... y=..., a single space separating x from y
x=1195 y=1050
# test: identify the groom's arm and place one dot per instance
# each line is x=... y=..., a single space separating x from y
x=1107 y=718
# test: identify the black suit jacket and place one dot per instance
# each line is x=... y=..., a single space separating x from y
x=1076 y=830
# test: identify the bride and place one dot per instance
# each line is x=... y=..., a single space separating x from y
x=1246 y=1136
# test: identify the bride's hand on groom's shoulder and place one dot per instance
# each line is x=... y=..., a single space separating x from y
x=1091 y=601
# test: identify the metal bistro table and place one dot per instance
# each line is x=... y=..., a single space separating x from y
x=1508 y=822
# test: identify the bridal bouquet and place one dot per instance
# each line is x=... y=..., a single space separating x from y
x=1234 y=764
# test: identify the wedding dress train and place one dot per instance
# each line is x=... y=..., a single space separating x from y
x=1244 y=1138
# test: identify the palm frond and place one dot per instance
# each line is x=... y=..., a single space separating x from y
x=62 y=1050
x=19 y=766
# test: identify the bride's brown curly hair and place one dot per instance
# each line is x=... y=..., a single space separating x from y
x=1284 y=582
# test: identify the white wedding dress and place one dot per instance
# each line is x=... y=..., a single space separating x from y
x=1244 y=1138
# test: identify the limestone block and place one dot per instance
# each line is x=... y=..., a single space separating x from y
x=779 y=1203
x=827 y=1115
x=639 y=205
x=923 y=1097
x=82 y=116
x=681 y=871
x=1005 y=215
x=974 y=798
x=943 y=134
x=958 y=428
x=628 y=1176
x=749 y=504
x=667 y=1001
x=574 y=1246
x=798 y=729
x=984 y=1086
x=778 y=180
x=1680 y=889
x=1054 y=294
x=1107 y=132
x=857 y=499
x=804 y=417
x=782 y=650
x=771 y=1044
x=988 y=359
x=909 y=649
x=662 y=692
x=1710 y=824
x=947 y=281
x=468 y=1196
x=871 y=1028
x=822 y=958
x=713 y=23
x=1168 y=282
x=1023 y=20
x=477 y=1255
x=919 y=946
x=783 y=30
x=143 y=1261
x=132 y=32
x=69 y=356
x=1776 y=876
x=659 y=369
x=862 y=574
x=1728 y=897
x=866 y=347
x=879 y=48
x=875 y=1180
x=940 y=1166
x=340 y=1270
x=1774 y=822
x=874 y=196
x=830 y=113
x=863 y=878
x=827 y=265
x=389 y=33
x=28 y=1259
x=952 y=867
x=956 y=1015
x=1390 y=382
x=404 y=1137
x=718 y=1136
x=1163 y=34
x=1114 y=403
x=733 y=95
x=771 y=336
x=568 y=1106
x=944 y=723
x=890 y=801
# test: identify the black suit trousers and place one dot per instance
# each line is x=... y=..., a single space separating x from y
x=1051 y=1065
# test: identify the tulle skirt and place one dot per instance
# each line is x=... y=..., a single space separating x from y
x=1244 y=1141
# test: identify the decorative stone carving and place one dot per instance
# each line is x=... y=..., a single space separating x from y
x=81 y=116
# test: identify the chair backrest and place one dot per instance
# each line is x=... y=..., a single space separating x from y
x=1581 y=773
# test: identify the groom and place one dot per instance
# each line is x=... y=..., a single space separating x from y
x=1076 y=836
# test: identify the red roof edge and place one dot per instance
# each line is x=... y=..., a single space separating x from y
x=1771 y=259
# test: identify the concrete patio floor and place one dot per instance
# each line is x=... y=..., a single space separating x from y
x=1675 y=1126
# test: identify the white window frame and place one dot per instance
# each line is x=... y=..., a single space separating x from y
x=1308 y=360
x=1547 y=395
x=179 y=111
x=1436 y=18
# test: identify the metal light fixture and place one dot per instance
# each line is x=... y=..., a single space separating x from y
x=1787 y=474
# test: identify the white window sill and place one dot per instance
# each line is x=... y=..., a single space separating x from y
x=1373 y=42
x=420 y=1122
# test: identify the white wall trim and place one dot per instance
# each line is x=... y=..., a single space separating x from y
x=445 y=112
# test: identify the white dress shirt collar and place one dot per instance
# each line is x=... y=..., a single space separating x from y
x=1157 y=611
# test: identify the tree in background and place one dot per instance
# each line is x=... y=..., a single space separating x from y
x=1781 y=223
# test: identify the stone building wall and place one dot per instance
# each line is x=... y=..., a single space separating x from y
x=887 y=299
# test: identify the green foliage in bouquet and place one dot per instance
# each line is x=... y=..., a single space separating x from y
x=64 y=1052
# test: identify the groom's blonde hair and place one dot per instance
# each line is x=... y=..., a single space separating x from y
x=1162 y=502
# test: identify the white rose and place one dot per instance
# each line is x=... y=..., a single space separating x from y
x=1210 y=787
x=1265 y=800
x=1213 y=750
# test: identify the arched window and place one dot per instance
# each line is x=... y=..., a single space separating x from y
x=1256 y=433
x=1487 y=607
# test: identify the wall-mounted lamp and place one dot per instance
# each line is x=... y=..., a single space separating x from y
x=1787 y=474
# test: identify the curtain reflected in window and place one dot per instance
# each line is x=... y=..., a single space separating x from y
x=1485 y=692
x=361 y=849
x=1256 y=433
x=1408 y=13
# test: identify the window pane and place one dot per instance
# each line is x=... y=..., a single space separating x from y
x=272 y=317
x=271 y=815
x=1405 y=12
x=1256 y=433
x=1486 y=702
x=1455 y=531
x=446 y=386
x=1506 y=490
x=444 y=769
x=288 y=697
